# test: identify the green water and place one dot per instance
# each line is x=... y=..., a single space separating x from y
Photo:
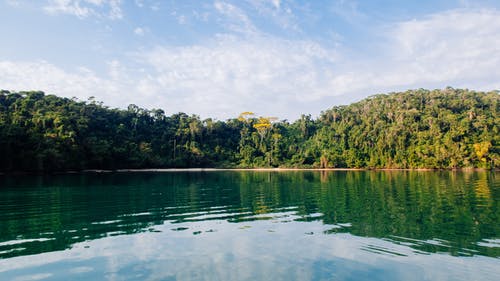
x=228 y=225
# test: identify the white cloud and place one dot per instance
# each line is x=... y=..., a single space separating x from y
x=276 y=3
x=267 y=74
x=85 y=8
x=139 y=31
x=260 y=4
x=232 y=75
x=458 y=48
x=155 y=7
x=347 y=10
x=115 y=9
x=67 y=7
x=277 y=77
x=276 y=11
x=81 y=83
x=116 y=71
x=139 y=3
x=181 y=18
x=235 y=18
x=221 y=79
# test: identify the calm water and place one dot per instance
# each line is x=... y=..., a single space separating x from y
x=251 y=226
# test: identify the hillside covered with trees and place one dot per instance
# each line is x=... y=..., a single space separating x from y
x=448 y=128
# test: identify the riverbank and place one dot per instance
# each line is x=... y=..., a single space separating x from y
x=170 y=170
x=279 y=169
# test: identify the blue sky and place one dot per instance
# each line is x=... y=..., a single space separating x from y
x=219 y=58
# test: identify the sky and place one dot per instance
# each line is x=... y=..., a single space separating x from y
x=218 y=58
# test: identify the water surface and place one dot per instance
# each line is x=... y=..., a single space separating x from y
x=234 y=225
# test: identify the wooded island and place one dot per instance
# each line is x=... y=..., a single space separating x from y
x=449 y=128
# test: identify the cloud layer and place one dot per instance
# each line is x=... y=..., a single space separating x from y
x=85 y=8
x=458 y=47
x=245 y=68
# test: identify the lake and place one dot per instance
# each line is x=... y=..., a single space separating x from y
x=251 y=225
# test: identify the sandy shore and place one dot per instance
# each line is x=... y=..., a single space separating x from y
x=273 y=169
x=169 y=170
x=222 y=169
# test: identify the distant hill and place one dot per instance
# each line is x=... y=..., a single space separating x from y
x=450 y=128
x=416 y=129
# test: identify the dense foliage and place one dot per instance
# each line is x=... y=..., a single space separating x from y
x=448 y=128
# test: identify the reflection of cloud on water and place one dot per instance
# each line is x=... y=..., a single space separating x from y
x=248 y=253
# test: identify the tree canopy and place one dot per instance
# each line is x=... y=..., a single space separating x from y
x=449 y=128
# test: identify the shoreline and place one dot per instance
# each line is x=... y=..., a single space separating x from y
x=283 y=169
x=172 y=170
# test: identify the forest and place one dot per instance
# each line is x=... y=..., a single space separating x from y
x=436 y=129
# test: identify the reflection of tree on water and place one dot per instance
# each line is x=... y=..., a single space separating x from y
x=460 y=208
x=482 y=189
x=415 y=205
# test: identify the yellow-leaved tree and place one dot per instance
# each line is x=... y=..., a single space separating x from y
x=482 y=150
x=263 y=125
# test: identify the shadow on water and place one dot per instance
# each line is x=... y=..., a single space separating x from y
x=450 y=212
